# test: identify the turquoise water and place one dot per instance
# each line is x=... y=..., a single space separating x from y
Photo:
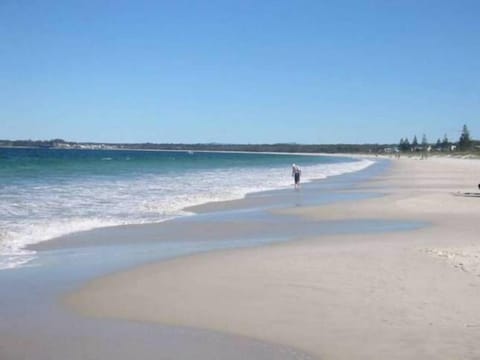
x=46 y=193
x=26 y=164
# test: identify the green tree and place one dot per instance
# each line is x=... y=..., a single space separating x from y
x=464 y=143
x=406 y=145
x=414 y=143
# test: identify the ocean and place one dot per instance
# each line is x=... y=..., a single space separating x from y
x=47 y=193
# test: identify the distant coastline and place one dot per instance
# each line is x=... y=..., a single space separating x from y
x=273 y=148
x=288 y=148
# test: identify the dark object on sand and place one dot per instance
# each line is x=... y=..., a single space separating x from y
x=467 y=194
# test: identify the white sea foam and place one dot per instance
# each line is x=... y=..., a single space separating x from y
x=32 y=214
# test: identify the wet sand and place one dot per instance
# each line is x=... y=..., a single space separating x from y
x=34 y=324
x=410 y=294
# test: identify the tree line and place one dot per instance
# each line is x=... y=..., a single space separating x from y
x=464 y=143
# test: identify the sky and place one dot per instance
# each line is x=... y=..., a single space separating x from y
x=239 y=71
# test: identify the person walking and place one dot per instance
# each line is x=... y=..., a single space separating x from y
x=296 y=175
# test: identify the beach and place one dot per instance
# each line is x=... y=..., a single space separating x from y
x=381 y=262
x=73 y=216
x=410 y=294
x=240 y=180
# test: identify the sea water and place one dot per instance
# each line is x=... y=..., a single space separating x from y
x=46 y=193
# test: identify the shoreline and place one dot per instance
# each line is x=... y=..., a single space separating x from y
x=200 y=208
x=255 y=201
x=399 y=305
x=40 y=327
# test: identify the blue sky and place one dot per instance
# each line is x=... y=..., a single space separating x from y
x=239 y=71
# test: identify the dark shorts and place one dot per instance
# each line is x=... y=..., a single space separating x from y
x=297 y=178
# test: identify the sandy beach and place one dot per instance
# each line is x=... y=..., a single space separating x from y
x=391 y=295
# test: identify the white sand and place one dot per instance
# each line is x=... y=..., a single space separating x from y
x=403 y=295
